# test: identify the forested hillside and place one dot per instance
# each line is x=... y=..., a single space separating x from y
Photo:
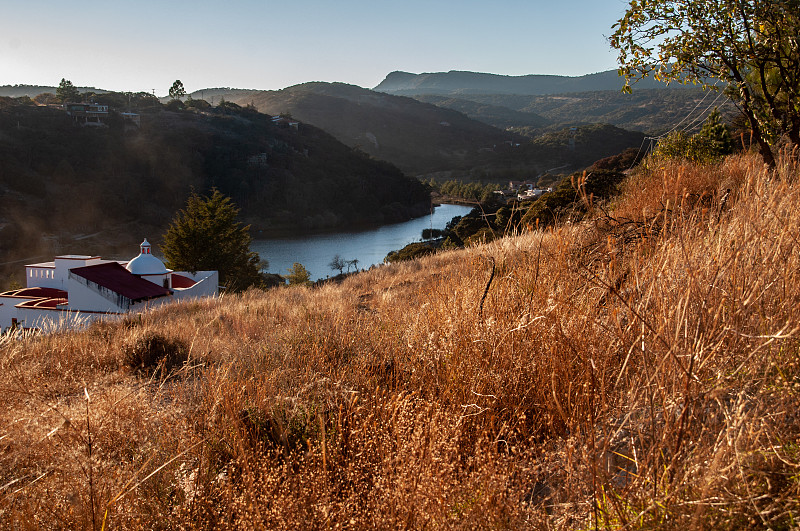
x=113 y=185
x=652 y=111
x=417 y=137
x=425 y=139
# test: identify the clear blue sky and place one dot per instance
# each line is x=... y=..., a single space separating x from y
x=144 y=45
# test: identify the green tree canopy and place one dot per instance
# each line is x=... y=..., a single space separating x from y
x=298 y=275
x=66 y=91
x=177 y=91
x=749 y=45
x=206 y=236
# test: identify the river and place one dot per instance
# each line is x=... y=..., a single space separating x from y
x=369 y=247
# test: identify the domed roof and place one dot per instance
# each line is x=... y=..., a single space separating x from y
x=146 y=263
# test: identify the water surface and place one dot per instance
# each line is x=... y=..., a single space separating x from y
x=369 y=247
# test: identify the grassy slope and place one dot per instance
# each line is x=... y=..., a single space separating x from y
x=639 y=369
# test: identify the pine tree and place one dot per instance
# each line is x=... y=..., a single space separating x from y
x=205 y=236
x=177 y=90
x=66 y=91
x=298 y=275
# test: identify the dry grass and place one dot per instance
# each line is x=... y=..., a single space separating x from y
x=637 y=371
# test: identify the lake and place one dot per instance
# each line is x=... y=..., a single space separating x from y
x=369 y=247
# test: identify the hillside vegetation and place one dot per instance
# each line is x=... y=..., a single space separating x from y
x=417 y=137
x=423 y=138
x=113 y=185
x=636 y=370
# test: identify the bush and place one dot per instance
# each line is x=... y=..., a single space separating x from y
x=410 y=252
x=154 y=351
x=710 y=144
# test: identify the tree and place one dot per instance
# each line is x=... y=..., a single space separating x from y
x=712 y=142
x=66 y=91
x=177 y=91
x=338 y=263
x=298 y=275
x=206 y=236
x=749 y=45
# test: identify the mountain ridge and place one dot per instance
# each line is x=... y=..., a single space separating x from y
x=456 y=82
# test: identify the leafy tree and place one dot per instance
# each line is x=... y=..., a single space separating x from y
x=206 y=236
x=298 y=275
x=338 y=263
x=177 y=91
x=749 y=45
x=66 y=91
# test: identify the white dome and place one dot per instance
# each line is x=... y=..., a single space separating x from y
x=146 y=263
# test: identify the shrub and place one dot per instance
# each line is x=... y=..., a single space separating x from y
x=154 y=351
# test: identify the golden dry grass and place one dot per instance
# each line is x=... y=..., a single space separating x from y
x=639 y=370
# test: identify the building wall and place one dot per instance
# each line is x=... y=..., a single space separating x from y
x=9 y=311
x=50 y=320
x=207 y=285
x=88 y=296
x=55 y=274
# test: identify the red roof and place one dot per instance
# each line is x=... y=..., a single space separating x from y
x=180 y=281
x=116 y=278
x=36 y=293
x=43 y=303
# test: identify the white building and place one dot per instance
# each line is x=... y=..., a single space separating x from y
x=77 y=289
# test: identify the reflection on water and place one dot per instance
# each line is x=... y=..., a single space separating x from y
x=369 y=247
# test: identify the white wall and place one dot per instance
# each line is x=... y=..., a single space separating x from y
x=50 y=320
x=82 y=297
x=207 y=285
x=8 y=310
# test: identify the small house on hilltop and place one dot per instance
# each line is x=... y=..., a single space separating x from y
x=87 y=113
x=73 y=290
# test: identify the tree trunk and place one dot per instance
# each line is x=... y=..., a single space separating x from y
x=763 y=145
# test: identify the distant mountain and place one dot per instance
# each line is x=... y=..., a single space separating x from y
x=650 y=110
x=456 y=83
x=415 y=136
x=535 y=104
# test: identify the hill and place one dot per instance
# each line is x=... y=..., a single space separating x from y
x=636 y=370
x=500 y=116
x=559 y=152
x=457 y=83
x=651 y=111
x=534 y=104
x=31 y=91
x=422 y=138
x=59 y=180
x=417 y=137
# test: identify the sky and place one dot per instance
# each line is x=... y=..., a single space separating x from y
x=145 y=45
